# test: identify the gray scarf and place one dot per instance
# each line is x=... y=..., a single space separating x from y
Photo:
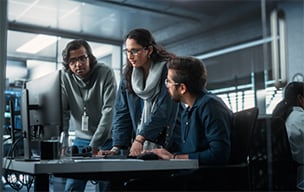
x=147 y=91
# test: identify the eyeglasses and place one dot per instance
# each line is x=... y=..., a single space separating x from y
x=133 y=51
x=167 y=82
x=81 y=59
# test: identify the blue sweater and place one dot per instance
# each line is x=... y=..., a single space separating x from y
x=206 y=130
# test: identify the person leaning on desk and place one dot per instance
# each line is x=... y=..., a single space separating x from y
x=144 y=114
x=88 y=90
x=205 y=122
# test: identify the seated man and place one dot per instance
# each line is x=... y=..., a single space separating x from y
x=205 y=121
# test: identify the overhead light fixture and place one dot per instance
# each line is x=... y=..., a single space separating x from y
x=37 y=44
x=234 y=48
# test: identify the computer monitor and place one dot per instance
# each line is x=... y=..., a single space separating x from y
x=12 y=109
x=41 y=113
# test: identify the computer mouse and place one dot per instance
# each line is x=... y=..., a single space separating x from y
x=148 y=156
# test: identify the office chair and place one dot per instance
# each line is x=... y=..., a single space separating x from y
x=284 y=167
x=236 y=175
x=241 y=139
x=273 y=165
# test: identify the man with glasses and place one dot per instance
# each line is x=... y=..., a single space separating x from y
x=205 y=121
x=89 y=91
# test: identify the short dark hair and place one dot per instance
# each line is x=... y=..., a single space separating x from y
x=190 y=71
x=291 y=92
x=74 y=45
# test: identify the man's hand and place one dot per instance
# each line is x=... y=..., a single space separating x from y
x=163 y=153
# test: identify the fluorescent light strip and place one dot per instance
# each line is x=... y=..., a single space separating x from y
x=25 y=11
x=37 y=44
x=235 y=48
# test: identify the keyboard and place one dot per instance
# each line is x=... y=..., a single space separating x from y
x=106 y=158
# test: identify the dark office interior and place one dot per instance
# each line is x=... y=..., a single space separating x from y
x=234 y=38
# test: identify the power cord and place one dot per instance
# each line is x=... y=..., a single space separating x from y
x=16 y=180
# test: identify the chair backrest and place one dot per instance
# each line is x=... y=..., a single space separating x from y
x=271 y=140
x=280 y=143
x=241 y=133
x=271 y=147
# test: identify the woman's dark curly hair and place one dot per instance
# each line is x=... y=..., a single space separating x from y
x=74 y=45
x=144 y=38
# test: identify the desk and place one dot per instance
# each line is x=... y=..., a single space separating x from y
x=102 y=168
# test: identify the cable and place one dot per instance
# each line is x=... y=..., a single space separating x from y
x=16 y=180
x=13 y=146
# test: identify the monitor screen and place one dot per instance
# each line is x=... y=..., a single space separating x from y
x=12 y=144
x=41 y=112
x=12 y=110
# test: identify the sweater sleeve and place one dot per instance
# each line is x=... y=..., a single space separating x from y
x=103 y=131
x=66 y=112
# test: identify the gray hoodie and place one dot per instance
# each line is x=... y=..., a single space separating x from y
x=96 y=92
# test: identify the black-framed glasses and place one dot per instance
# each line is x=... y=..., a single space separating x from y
x=81 y=59
x=167 y=82
x=133 y=51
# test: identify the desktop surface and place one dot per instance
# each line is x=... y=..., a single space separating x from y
x=95 y=168
x=96 y=165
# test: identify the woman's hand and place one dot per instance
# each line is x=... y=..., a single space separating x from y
x=136 y=148
x=94 y=151
x=106 y=152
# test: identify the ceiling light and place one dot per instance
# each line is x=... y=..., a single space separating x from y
x=235 y=48
x=37 y=44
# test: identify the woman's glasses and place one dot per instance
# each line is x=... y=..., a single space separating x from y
x=133 y=51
